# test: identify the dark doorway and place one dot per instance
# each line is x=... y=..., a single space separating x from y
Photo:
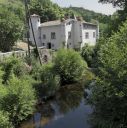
x=49 y=46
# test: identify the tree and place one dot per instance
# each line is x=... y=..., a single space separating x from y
x=10 y=29
x=14 y=66
x=4 y=120
x=69 y=65
x=19 y=101
x=110 y=90
x=118 y=17
x=46 y=9
x=120 y=3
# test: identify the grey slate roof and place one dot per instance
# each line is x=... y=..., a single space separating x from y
x=51 y=23
x=58 y=22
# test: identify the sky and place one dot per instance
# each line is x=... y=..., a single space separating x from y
x=88 y=4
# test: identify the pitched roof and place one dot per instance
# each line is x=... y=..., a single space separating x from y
x=58 y=22
x=51 y=23
x=89 y=23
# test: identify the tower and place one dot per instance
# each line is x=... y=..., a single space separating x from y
x=35 y=23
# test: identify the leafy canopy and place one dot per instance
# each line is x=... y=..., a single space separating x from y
x=69 y=65
x=120 y=3
x=10 y=29
x=4 y=120
x=110 y=90
x=19 y=100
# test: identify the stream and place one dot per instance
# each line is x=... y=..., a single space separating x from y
x=67 y=110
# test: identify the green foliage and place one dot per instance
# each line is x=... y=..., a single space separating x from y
x=3 y=92
x=87 y=53
x=14 y=66
x=4 y=120
x=15 y=7
x=36 y=69
x=19 y=100
x=89 y=15
x=1 y=75
x=10 y=29
x=117 y=18
x=69 y=65
x=50 y=81
x=46 y=9
x=119 y=3
x=110 y=90
x=99 y=44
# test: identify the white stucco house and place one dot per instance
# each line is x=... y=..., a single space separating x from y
x=69 y=33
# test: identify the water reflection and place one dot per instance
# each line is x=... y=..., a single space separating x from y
x=67 y=99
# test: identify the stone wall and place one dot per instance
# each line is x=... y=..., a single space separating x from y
x=45 y=54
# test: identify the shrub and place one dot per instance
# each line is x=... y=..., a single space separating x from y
x=49 y=78
x=1 y=75
x=50 y=82
x=69 y=65
x=3 y=92
x=87 y=53
x=19 y=100
x=35 y=72
x=4 y=120
x=14 y=66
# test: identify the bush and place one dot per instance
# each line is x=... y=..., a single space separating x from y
x=87 y=53
x=50 y=81
x=1 y=75
x=14 y=66
x=19 y=100
x=35 y=72
x=4 y=120
x=3 y=92
x=69 y=65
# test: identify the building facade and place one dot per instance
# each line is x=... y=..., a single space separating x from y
x=70 y=33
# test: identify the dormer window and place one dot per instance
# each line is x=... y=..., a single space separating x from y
x=53 y=35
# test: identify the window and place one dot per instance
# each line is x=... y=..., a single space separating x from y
x=52 y=45
x=53 y=35
x=85 y=26
x=94 y=34
x=43 y=44
x=87 y=35
x=69 y=35
x=44 y=36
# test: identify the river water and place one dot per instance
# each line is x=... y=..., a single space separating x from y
x=67 y=110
